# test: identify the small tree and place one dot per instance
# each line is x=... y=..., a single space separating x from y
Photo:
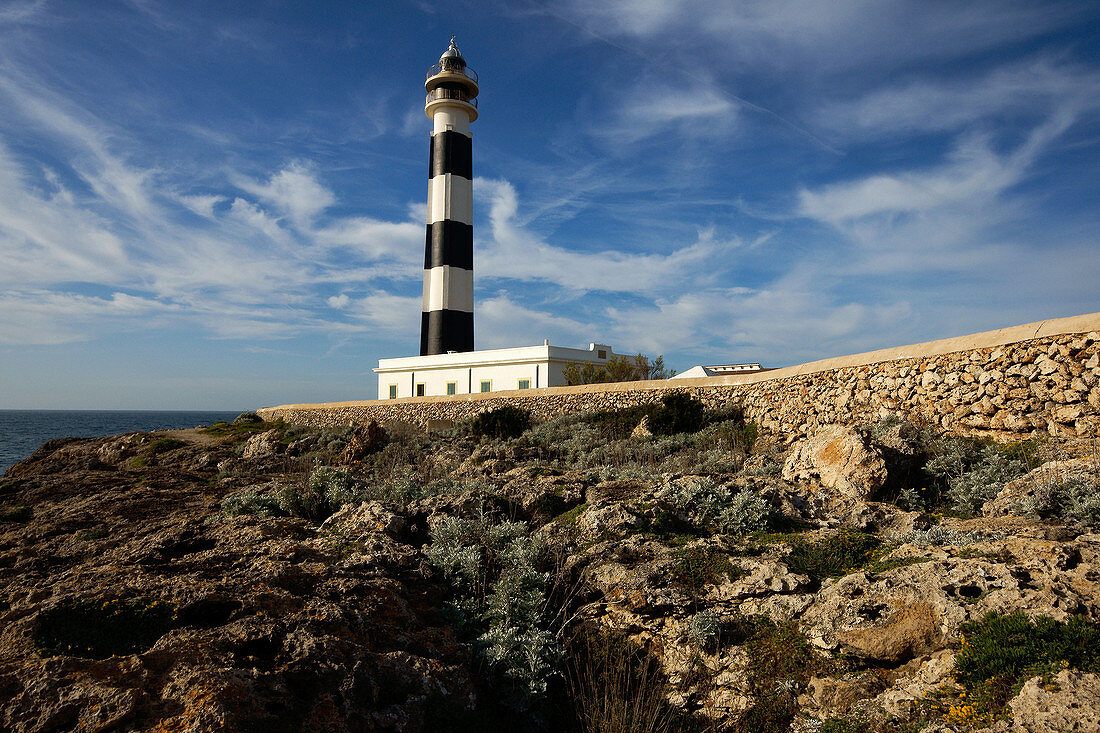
x=617 y=369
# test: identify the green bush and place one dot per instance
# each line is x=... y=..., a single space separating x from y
x=998 y=653
x=503 y=422
x=781 y=662
x=695 y=567
x=842 y=553
x=679 y=413
x=163 y=445
x=97 y=629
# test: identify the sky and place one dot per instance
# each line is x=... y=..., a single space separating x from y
x=210 y=205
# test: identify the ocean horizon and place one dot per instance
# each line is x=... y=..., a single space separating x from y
x=23 y=431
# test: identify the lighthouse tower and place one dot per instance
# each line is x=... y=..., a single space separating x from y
x=447 y=318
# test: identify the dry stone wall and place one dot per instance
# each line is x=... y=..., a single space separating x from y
x=1049 y=384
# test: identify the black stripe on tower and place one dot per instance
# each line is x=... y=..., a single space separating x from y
x=446 y=330
x=449 y=243
x=450 y=152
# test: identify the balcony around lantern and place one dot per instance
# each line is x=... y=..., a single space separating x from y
x=460 y=95
x=452 y=69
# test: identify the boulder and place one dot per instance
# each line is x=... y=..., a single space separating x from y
x=839 y=458
x=910 y=630
x=363 y=441
x=262 y=445
x=1068 y=705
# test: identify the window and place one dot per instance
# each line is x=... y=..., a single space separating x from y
x=486 y=385
x=393 y=391
x=601 y=354
x=452 y=387
x=419 y=389
x=524 y=384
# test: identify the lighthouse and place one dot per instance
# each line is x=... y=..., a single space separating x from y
x=448 y=364
x=447 y=313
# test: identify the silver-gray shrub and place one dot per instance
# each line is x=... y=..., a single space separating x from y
x=251 y=502
x=1072 y=494
x=326 y=490
x=497 y=589
x=974 y=473
x=707 y=503
x=747 y=512
x=970 y=490
x=937 y=536
x=703 y=630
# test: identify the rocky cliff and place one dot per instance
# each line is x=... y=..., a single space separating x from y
x=661 y=568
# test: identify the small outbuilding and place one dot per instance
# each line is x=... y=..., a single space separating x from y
x=719 y=370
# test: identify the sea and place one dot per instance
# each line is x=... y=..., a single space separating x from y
x=22 y=431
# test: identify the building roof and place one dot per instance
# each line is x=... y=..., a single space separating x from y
x=719 y=370
x=517 y=355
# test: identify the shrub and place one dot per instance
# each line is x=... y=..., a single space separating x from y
x=708 y=504
x=326 y=491
x=838 y=554
x=998 y=653
x=503 y=422
x=704 y=631
x=781 y=662
x=747 y=512
x=616 y=687
x=695 y=567
x=971 y=472
x=619 y=424
x=497 y=590
x=163 y=445
x=251 y=502
x=1071 y=494
x=679 y=413
x=246 y=418
x=97 y=629
x=968 y=492
x=938 y=536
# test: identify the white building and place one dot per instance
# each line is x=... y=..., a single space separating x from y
x=719 y=370
x=493 y=370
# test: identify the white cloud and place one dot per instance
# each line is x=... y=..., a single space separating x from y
x=501 y=322
x=648 y=109
x=21 y=12
x=816 y=35
x=514 y=252
x=931 y=105
x=43 y=317
x=293 y=191
x=203 y=205
x=975 y=175
x=339 y=301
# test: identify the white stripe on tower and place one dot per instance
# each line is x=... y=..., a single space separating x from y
x=447 y=317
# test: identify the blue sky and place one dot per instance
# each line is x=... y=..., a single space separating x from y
x=209 y=205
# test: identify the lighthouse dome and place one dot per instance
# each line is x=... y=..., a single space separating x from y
x=451 y=54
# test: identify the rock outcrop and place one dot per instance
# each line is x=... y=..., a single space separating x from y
x=837 y=457
x=262 y=576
